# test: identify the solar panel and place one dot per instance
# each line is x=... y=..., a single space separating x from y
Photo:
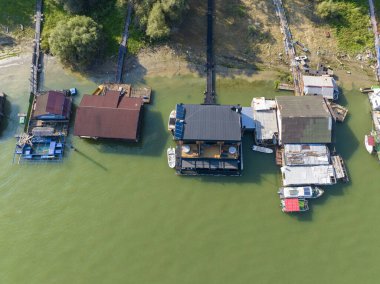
x=307 y=191
x=178 y=132
x=180 y=111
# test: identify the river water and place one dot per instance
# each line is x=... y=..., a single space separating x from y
x=115 y=213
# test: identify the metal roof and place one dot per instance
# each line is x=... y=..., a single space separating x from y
x=247 y=120
x=99 y=116
x=318 y=175
x=266 y=124
x=306 y=154
x=302 y=106
x=211 y=123
x=304 y=119
x=318 y=81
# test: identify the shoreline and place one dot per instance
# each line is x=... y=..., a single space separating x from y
x=164 y=61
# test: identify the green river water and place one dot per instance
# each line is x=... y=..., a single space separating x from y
x=115 y=213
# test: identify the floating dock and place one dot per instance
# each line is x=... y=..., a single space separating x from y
x=337 y=111
x=126 y=90
x=340 y=168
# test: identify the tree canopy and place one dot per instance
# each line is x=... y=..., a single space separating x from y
x=158 y=16
x=78 y=6
x=76 y=41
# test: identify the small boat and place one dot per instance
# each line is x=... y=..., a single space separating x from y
x=300 y=192
x=171 y=157
x=369 y=142
x=262 y=149
x=294 y=205
x=172 y=119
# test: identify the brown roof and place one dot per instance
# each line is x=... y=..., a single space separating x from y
x=53 y=102
x=106 y=117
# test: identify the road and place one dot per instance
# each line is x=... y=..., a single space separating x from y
x=289 y=47
x=123 y=46
x=210 y=66
x=36 y=58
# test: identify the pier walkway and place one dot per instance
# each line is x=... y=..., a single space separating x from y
x=289 y=47
x=37 y=54
x=377 y=37
x=210 y=66
x=123 y=46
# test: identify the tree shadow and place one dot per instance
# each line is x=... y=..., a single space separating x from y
x=8 y=108
x=6 y=40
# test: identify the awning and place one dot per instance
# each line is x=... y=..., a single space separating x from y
x=292 y=205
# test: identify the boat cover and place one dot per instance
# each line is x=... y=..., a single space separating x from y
x=371 y=140
x=292 y=205
x=305 y=191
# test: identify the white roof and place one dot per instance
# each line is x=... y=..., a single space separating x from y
x=318 y=81
x=302 y=191
x=375 y=100
x=318 y=175
x=247 y=118
x=262 y=104
x=306 y=154
x=266 y=124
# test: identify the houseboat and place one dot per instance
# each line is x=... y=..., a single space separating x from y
x=208 y=140
x=110 y=114
x=290 y=205
x=47 y=128
x=300 y=192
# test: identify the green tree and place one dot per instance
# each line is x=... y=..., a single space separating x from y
x=76 y=41
x=156 y=17
x=78 y=6
x=327 y=9
x=157 y=26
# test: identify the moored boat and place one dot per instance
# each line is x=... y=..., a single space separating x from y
x=262 y=149
x=171 y=121
x=300 y=192
x=369 y=142
x=289 y=205
x=171 y=157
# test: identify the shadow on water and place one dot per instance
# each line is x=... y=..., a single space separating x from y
x=87 y=157
x=4 y=131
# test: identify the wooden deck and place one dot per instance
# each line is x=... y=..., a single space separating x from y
x=340 y=168
x=279 y=152
x=338 y=112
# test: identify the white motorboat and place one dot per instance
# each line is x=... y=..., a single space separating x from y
x=300 y=192
x=172 y=119
x=171 y=157
x=262 y=149
x=369 y=142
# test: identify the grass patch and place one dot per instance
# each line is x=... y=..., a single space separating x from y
x=350 y=18
x=16 y=12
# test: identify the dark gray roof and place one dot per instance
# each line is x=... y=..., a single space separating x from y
x=305 y=106
x=304 y=120
x=211 y=123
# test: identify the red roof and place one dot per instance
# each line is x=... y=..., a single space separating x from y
x=106 y=117
x=292 y=205
x=53 y=103
x=371 y=140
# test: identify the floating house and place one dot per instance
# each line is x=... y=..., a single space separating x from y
x=324 y=86
x=264 y=115
x=112 y=115
x=303 y=120
x=209 y=140
x=45 y=135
